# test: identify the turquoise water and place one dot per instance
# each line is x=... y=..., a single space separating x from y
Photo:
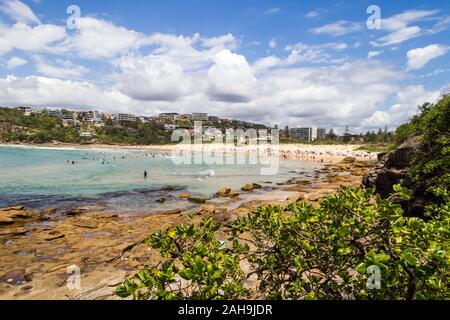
x=42 y=177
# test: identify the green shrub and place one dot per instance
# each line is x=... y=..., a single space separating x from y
x=305 y=252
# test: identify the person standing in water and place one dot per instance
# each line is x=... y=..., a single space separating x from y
x=145 y=174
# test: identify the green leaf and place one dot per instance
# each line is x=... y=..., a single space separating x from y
x=186 y=274
x=381 y=258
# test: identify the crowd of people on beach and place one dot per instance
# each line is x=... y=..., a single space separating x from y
x=105 y=157
x=291 y=152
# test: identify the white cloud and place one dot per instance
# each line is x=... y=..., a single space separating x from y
x=61 y=69
x=338 y=28
x=312 y=14
x=419 y=57
x=273 y=44
x=152 y=78
x=373 y=54
x=399 y=29
x=15 y=62
x=100 y=39
x=272 y=11
x=230 y=79
x=30 y=39
x=18 y=11
x=407 y=101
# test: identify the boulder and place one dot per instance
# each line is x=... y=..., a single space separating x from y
x=233 y=194
x=247 y=187
x=161 y=200
x=224 y=192
x=256 y=186
x=184 y=195
x=199 y=199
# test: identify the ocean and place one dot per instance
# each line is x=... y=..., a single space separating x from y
x=39 y=177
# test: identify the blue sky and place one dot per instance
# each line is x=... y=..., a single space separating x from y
x=285 y=62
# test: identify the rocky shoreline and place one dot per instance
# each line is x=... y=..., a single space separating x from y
x=38 y=247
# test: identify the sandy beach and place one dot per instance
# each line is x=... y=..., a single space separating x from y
x=319 y=153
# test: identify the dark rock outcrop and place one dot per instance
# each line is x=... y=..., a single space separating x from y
x=392 y=168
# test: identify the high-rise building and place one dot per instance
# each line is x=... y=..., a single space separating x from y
x=321 y=133
x=304 y=134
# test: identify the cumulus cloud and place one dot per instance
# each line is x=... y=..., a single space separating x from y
x=38 y=38
x=407 y=101
x=419 y=57
x=152 y=78
x=61 y=69
x=230 y=79
x=100 y=39
x=18 y=11
x=15 y=62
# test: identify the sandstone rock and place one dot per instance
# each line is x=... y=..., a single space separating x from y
x=17 y=208
x=5 y=220
x=50 y=211
x=52 y=235
x=16 y=277
x=234 y=194
x=206 y=208
x=13 y=232
x=349 y=160
x=75 y=212
x=199 y=199
x=315 y=197
x=247 y=187
x=242 y=212
x=103 y=215
x=85 y=223
x=173 y=211
x=224 y=192
x=184 y=195
x=256 y=186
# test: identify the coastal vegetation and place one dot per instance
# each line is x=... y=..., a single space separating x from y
x=356 y=244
